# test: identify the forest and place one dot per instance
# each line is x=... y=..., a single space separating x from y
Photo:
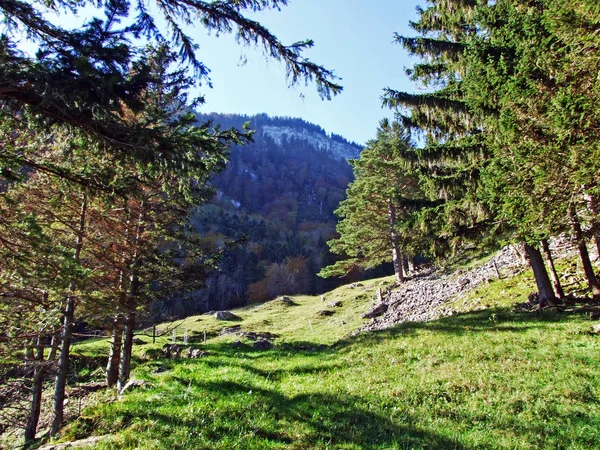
x=108 y=172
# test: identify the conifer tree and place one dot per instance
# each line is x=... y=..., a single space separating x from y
x=381 y=197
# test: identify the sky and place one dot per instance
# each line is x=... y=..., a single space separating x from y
x=352 y=37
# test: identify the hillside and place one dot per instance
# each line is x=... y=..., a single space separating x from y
x=285 y=375
x=280 y=192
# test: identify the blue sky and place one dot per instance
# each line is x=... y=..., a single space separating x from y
x=353 y=37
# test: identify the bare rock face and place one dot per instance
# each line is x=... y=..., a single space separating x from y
x=226 y=316
x=376 y=311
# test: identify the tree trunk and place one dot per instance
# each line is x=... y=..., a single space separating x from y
x=405 y=264
x=558 y=290
x=134 y=287
x=583 y=254
x=546 y=294
x=595 y=208
x=396 y=254
x=114 y=358
x=126 y=348
x=37 y=389
x=54 y=346
x=411 y=264
x=67 y=333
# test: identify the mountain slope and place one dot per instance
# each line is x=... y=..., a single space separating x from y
x=280 y=192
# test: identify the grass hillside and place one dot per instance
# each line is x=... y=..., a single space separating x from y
x=491 y=378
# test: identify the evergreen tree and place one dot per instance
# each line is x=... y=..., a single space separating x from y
x=381 y=197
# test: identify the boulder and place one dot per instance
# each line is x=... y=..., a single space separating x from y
x=376 y=311
x=336 y=304
x=287 y=301
x=231 y=330
x=596 y=329
x=172 y=351
x=325 y=313
x=255 y=336
x=226 y=316
x=197 y=353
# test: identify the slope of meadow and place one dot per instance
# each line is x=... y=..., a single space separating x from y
x=492 y=378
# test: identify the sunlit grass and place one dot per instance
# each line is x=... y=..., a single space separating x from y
x=492 y=378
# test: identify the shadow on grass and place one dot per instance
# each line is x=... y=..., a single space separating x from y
x=277 y=374
x=492 y=319
x=267 y=418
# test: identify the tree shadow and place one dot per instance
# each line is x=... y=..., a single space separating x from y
x=305 y=421
x=492 y=319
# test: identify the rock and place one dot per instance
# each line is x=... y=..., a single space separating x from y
x=226 y=316
x=287 y=301
x=255 y=336
x=596 y=329
x=325 y=313
x=423 y=297
x=355 y=285
x=133 y=383
x=595 y=315
x=262 y=345
x=376 y=311
x=197 y=353
x=207 y=313
x=160 y=369
x=172 y=351
x=336 y=304
x=322 y=298
x=237 y=344
x=231 y=330
x=463 y=282
x=138 y=341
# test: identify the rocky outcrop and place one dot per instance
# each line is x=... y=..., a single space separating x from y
x=422 y=298
x=226 y=316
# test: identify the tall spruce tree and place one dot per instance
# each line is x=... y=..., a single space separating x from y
x=379 y=200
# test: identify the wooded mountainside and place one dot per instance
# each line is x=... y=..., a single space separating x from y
x=281 y=194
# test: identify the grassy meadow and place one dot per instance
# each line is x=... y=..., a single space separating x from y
x=482 y=378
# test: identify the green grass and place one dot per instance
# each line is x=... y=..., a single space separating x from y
x=481 y=379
